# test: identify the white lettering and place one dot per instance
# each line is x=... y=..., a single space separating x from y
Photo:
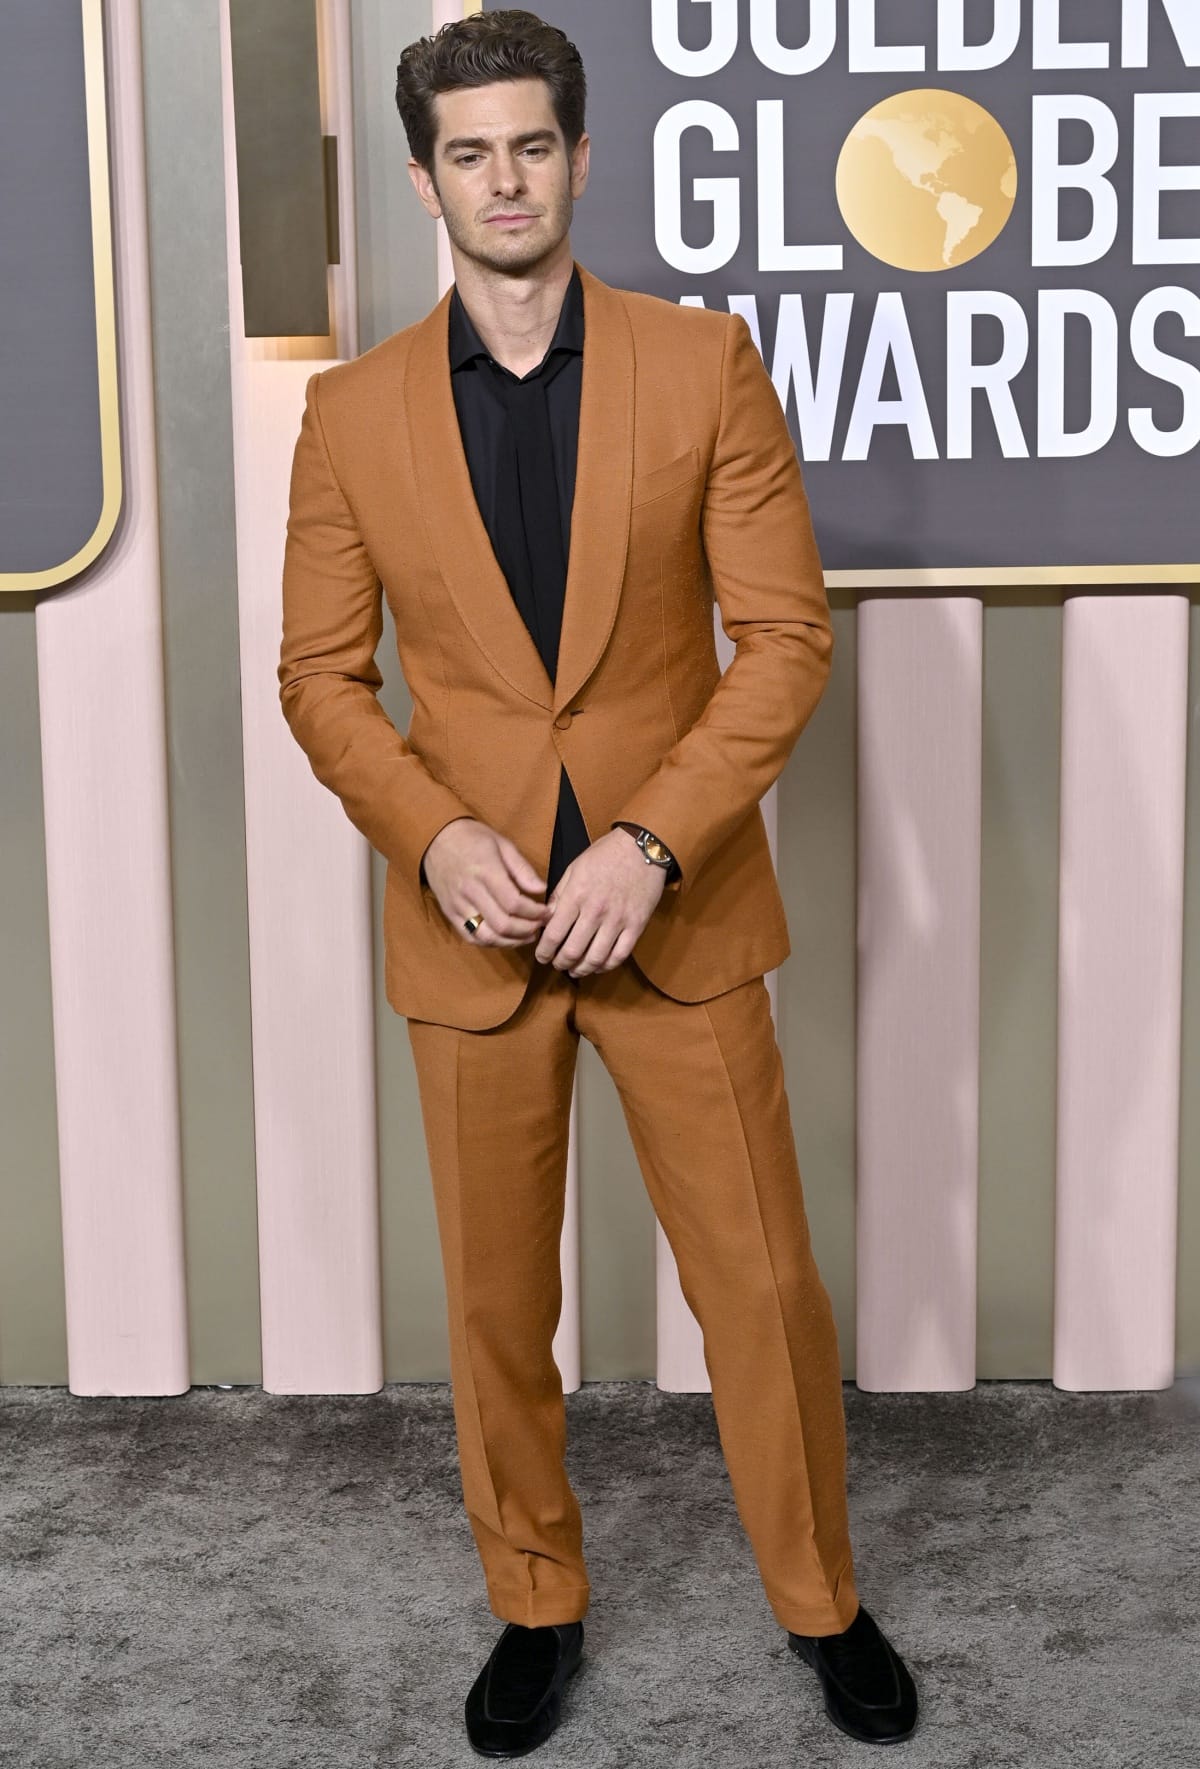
x=820 y=392
x=890 y=339
x=773 y=253
x=1184 y=18
x=722 y=193
x=1054 y=306
x=867 y=56
x=956 y=54
x=694 y=64
x=816 y=395
x=1049 y=177
x=965 y=376
x=1151 y=178
x=1184 y=375
x=747 y=306
x=1049 y=50
x=822 y=37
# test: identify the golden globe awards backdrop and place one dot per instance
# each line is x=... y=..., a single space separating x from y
x=965 y=235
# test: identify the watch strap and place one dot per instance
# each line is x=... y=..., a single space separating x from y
x=640 y=835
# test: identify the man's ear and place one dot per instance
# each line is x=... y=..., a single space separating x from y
x=580 y=161
x=425 y=188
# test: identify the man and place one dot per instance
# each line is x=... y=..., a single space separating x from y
x=551 y=479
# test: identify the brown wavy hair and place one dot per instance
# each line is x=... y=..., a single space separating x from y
x=477 y=51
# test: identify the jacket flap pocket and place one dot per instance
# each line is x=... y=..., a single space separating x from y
x=672 y=474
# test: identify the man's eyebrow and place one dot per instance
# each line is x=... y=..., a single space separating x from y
x=476 y=141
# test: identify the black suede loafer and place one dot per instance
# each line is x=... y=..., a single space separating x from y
x=867 y=1687
x=515 y=1702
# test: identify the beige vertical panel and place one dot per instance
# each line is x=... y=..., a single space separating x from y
x=1124 y=747
x=1022 y=662
x=194 y=425
x=1187 y=1342
x=108 y=870
x=310 y=970
x=33 y=1336
x=919 y=702
x=309 y=922
x=816 y=1010
x=679 y=1362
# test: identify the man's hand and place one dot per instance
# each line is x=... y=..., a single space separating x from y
x=473 y=869
x=600 y=906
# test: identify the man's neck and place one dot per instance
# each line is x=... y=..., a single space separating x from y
x=515 y=317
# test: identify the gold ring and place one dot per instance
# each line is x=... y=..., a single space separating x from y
x=473 y=923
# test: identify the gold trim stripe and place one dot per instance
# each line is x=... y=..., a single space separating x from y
x=1004 y=576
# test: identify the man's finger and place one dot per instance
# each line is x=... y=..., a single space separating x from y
x=499 y=921
x=519 y=868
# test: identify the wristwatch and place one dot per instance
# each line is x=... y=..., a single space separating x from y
x=655 y=852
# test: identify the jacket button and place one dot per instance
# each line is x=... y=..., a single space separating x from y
x=562 y=721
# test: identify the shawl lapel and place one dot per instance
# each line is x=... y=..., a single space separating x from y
x=600 y=513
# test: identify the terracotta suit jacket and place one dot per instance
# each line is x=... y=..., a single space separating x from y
x=688 y=487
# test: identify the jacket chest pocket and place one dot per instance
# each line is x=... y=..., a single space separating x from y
x=660 y=481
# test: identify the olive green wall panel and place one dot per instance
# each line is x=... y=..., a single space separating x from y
x=185 y=186
x=33 y=1337
x=397 y=241
x=1018 y=1057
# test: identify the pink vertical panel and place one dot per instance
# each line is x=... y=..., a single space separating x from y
x=309 y=899
x=920 y=712
x=312 y=1024
x=100 y=686
x=1124 y=747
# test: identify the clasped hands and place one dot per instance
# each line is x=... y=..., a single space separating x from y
x=590 y=922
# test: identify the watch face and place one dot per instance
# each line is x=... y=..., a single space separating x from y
x=656 y=850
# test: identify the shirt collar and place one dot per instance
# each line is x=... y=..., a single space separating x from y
x=466 y=344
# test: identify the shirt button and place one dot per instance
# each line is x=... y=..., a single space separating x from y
x=562 y=720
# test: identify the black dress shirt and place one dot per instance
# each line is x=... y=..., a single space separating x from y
x=520 y=436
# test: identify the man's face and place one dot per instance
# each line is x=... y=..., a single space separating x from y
x=500 y=153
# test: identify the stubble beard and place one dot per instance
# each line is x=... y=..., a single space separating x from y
x=516 y=255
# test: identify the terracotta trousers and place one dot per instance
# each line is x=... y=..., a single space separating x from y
x=702 y=1089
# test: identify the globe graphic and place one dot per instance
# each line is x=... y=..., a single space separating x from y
x=926 y=179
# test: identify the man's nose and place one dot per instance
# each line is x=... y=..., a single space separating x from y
x=509 y=176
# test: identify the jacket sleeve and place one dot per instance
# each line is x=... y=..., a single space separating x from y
x=328 y=678
x=762 y=554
